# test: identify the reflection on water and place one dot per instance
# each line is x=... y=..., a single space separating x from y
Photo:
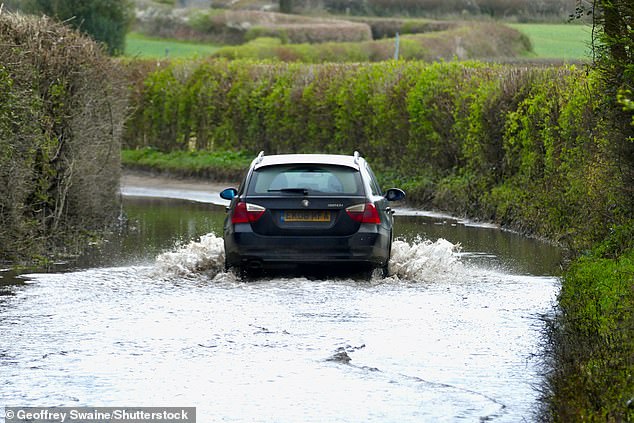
x=152 y=319
x=157 y=225
x=489 y=245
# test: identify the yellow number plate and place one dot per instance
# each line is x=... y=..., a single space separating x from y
x=306 y=216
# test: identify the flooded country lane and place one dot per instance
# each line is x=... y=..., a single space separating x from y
x=152 y=319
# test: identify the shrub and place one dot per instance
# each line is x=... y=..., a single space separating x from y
x=389 y=27
x=106 y=21
x=61 y=117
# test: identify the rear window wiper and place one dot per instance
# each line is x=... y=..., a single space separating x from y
x=292 y=190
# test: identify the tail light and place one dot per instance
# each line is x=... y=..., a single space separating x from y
x=246 y=213
x=364 y=213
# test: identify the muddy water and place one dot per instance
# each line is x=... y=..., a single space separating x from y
x=150 y=319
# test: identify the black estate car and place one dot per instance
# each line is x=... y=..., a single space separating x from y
x=299 y=209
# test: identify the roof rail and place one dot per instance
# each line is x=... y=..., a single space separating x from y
x=260 y=157
x=356 y=157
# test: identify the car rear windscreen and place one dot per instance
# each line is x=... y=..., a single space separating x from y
x=314 y=179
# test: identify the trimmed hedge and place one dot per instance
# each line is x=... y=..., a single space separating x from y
x=340 y=31
x=389 y=27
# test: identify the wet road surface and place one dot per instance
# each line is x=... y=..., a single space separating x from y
x=453 y=334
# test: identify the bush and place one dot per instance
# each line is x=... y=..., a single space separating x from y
x=389 y=27
x=312 y=33
x=530 y=148
x=61 y=115
x=106 y=21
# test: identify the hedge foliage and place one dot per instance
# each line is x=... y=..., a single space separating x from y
x=61 y=116
x=389 y=27
x=525 y=147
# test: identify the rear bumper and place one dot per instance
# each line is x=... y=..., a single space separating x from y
x=244 y=248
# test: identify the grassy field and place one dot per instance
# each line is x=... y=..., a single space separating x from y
x=558 y=41
x=138 y=45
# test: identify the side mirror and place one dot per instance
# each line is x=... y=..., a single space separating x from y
x=228 y=194
x=395 y=194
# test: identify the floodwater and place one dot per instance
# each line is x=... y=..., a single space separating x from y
x=151 y=319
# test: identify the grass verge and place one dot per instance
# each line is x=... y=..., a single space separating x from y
x=217 y=165
x=592 y=379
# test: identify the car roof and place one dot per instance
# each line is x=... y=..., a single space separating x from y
x=332 y=159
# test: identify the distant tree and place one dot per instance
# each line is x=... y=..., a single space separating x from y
x=613 y=38
x=617 y=37
x=286 y=6
x=106 y=21
x=614 y=20
x=613 y=23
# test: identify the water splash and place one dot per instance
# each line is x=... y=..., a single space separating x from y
x=424 y=260
x=204 y=256
x=420 y=260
